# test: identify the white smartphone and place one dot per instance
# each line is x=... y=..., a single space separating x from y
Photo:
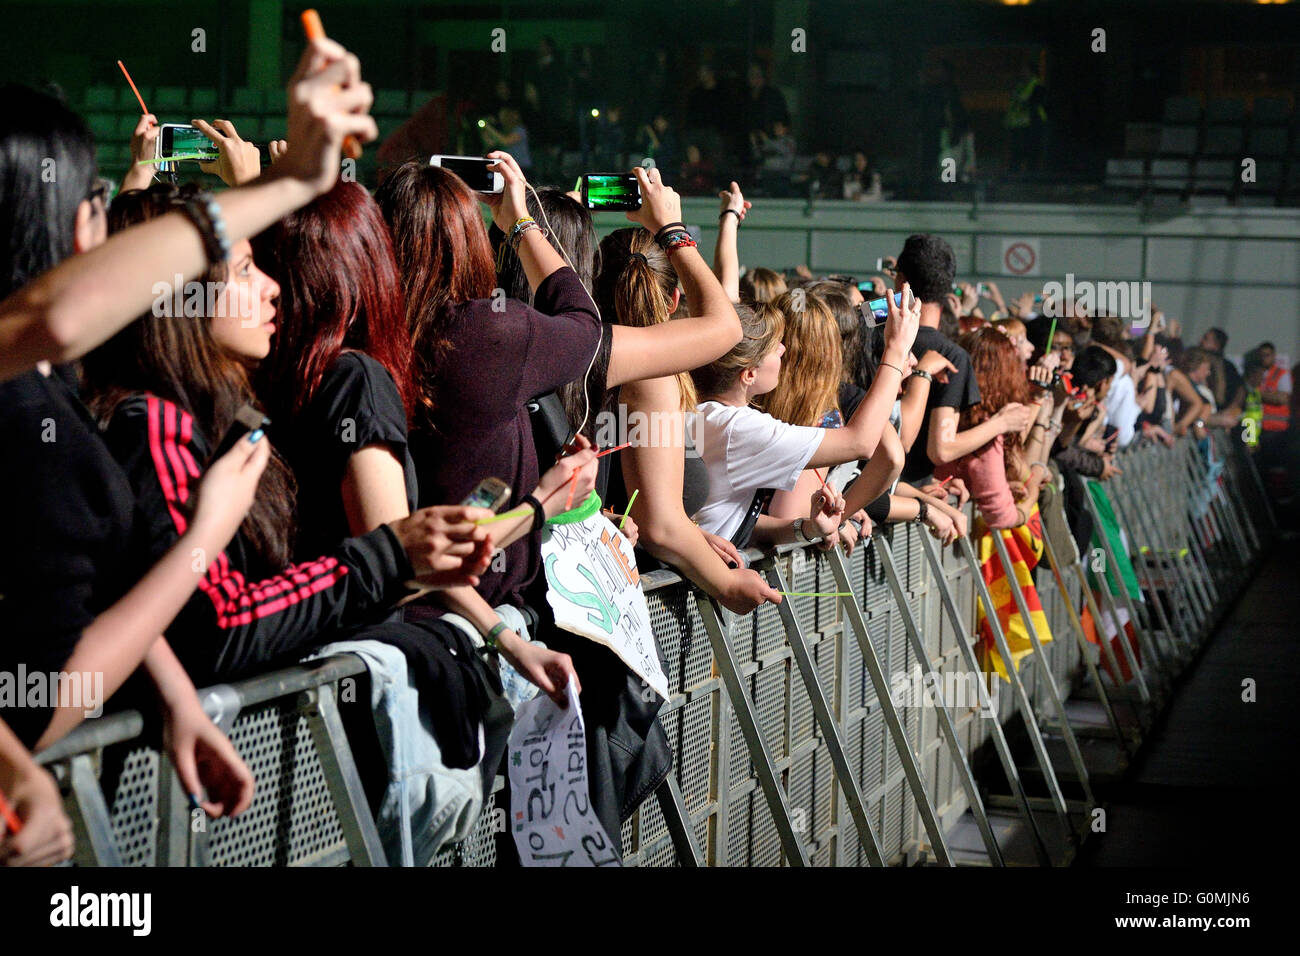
x=474 y=170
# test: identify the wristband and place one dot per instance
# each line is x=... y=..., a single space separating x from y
x=894 y=367
x=205 y=214
x=922 y=512
x=490 y=638
x=539 y=515
x=668 y=227
x=798 y=529
x=677 y=240
x=732 y=212
x=921 y=373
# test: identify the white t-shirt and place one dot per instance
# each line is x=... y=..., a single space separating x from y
x=1122 y=409
x=743 y=450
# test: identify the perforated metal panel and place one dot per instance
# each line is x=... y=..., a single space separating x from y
x=292 y=820
x=133 y=808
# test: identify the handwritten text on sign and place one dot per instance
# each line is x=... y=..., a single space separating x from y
x=595 y=590
x=550 y=806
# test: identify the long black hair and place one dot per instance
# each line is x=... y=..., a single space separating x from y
x=47 y=167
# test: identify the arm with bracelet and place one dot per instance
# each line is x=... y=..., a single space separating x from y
x=726 y=257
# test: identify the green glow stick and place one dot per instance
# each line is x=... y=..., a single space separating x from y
x=628 y=511
x=517 y=513
x=816 y=593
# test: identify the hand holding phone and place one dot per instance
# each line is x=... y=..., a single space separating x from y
x=478 y=172
x=247 y=419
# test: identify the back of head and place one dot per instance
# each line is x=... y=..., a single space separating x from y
x=47 y=167
x=929 y=266
x=443 y=255
x=761 y=327
x=339 y=289
x=1092 y=366
x=835 y=296
x=1192 y=359
x=761 y=285
x=1109 y=331
x=1219 y=337
x=635 y=287
x=569 y=231
x=808 y=387
x=998 y=371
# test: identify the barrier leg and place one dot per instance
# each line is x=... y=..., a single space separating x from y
x=91 y=825
x=678 y=821
x=949 y=730
x=1040 y=655
x=1081 y=639
x=1155 y=607
x=340 y=769
x=831 y=733
x=965 y=644
x=1018 y=689
x=795 y=852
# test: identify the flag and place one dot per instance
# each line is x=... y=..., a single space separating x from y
x=1025 y=548
x=1108 y=622
x=1110 y=527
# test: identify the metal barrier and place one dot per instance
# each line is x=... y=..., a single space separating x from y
x=790 y=746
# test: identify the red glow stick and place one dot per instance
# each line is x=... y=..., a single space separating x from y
x=12 y=823
x=315 y=30
x=143 y=109
x=573 y=488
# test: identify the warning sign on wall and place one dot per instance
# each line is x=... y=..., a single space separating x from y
x=1020 y=256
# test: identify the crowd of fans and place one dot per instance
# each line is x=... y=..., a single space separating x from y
x=403 y=352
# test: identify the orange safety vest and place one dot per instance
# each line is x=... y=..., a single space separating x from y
x=1275 y=416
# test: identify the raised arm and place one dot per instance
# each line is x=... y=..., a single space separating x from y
x=712 y=327
x=83 y=301
x=726 y=257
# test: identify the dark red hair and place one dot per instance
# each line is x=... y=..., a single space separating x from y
x=1001 y=378
x=444 y=256
x=339 y=289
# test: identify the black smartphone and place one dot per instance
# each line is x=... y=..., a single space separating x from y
x=248 y=419
x=474 y=171
x=181 y=139
x=610 y=192
x=875 y=311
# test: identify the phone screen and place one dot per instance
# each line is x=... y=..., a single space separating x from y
x=489 y=493
x=876 y=311
x=611 y=192
x=187 y=141
x=474 y=172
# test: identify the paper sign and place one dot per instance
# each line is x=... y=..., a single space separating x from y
x=595 y=590
x=550 y=805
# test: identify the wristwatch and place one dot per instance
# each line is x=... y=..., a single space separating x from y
x=922 y=373
x=798 y=529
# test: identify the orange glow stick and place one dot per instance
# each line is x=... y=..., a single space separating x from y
x=12 y=823
x=315 y=30
x=143 y=108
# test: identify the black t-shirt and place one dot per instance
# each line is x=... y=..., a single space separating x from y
x=69 y=551
x=961 y=391
x=357 y=404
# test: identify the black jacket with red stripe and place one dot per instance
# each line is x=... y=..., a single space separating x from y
x=236 y=624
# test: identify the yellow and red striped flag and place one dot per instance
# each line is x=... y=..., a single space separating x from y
x=1025 y=548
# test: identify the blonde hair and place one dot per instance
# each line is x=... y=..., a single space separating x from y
x=761 y=285
x=761 y=327
x=810 y=369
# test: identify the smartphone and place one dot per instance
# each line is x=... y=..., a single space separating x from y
x=610 y=192
x=181 y=139
x=876 y=311
x=247 y=419
x=490 y=493
x=881 y=267
x=474 y=171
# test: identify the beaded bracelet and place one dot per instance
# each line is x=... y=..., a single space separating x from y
x=677 y=240
x=672 y=226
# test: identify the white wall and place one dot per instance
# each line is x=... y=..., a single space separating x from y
x=1235 y=268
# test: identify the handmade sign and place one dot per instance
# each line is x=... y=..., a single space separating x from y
x=595 y=589
x=550 y=806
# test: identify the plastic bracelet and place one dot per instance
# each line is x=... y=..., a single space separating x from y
x=490 y=639
x=672 y=244
x=539 y=515
x=205 y=213
x=732 y=212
